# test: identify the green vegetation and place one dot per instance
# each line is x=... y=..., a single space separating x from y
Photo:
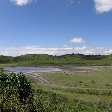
x=44 y=59
x=77 y=89
x=15 y=93
x=89 y=78
x=87 y=86
x=67 y=94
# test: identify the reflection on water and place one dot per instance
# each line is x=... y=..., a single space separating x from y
x=32 y=69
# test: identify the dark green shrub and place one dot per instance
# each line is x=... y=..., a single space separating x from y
x=15 y=92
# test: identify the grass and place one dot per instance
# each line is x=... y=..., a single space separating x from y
x=88 y=91
x=7 y=65
x=91 y=86
x=100 y=79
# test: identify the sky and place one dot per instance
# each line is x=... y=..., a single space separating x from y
x=55 y=27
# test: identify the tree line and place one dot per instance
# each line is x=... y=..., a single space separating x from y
x=38 y=59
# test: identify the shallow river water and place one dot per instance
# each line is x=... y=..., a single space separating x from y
x=32 y=69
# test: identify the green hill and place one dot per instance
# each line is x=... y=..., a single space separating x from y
x=44 y=59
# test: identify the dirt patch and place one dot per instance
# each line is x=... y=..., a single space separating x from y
x=81 y=68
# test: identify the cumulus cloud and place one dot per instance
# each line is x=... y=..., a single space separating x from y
x=103 y=5
x=54 y=51
x=21 y=2
x=77 y=40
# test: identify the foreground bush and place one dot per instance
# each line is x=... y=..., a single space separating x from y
x=15 y=93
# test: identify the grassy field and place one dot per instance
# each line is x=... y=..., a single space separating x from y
x=77 y=91
x=93 y=85
x=99 y=79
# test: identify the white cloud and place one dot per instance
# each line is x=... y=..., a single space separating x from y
x=54 y=51
x=21 y=2
x=77 y=40
x=103 y=5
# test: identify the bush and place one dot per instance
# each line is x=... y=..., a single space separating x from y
x=15 y=93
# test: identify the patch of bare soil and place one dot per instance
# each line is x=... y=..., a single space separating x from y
x=81 y=68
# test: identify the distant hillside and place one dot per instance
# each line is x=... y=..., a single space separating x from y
x=44 y=59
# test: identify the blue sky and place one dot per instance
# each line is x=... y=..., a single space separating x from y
x=55 y=24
